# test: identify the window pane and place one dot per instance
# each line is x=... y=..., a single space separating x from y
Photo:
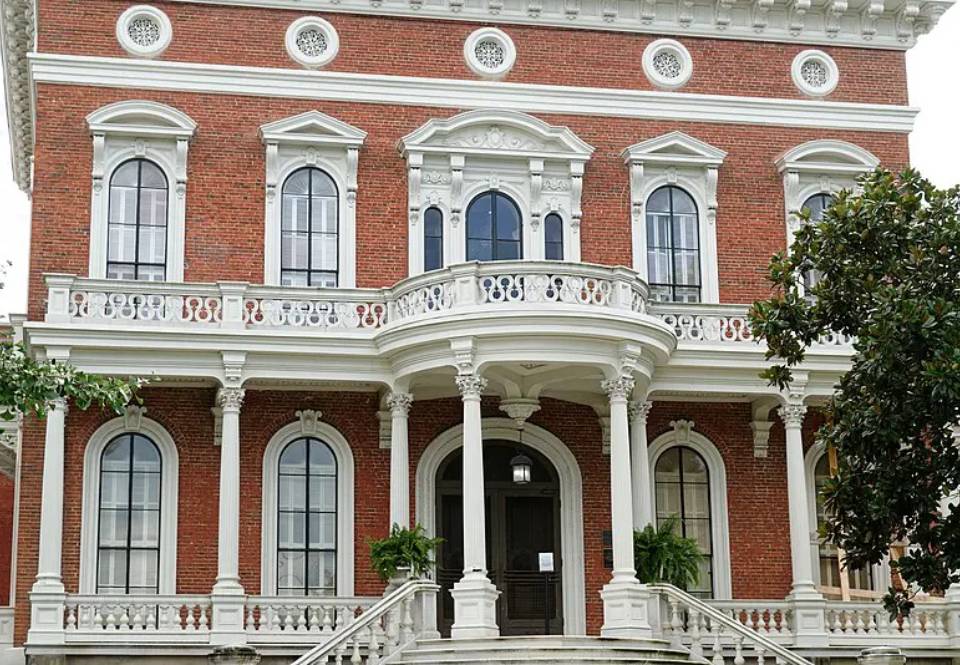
x=153 y=245
x=682 y=201
x=658 y=229
x=151 y=273
x=113 y=528
x=659 y=201
x=432 y=254
x=323 y=531
x=290 y=570
x=298 y=183
x=479 y=250
x=293 y=278
x=322 y=460
x=323 y=184
x=323 y=279
x=553 y=251
x=153 y=207
x=114 y=489
x=294 y=457
x=508 y=220
x=322 y=570
x=295 y=213
x=144 y=528
x=685 y=232
x=433 y=223
x=126 y=175
x=292 y=530
x=480 y=218
x=324 y=215
x=507 y=250
x=324 y=251
x=658 y=266
x=143 y=568
x=293 y=492
x=323 y=493
x=123 y=205
x=694 y=468
x=122 y=242
x=146 y=490
x=120 y=271
x=293 y=250
x=112 y=569
x=152 y=177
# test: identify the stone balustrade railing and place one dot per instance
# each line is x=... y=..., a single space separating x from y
x=90 y=618
x=770 y=617
x=285 y=618
x=852 y=620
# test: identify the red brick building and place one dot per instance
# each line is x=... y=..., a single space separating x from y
x=479 y=265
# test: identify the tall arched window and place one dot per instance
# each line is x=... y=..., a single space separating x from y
x=816 y=205
x=432 y=239
x=553 y=237
x=309 y=229
x=673 y=246
x=682 y=482
x=128 y=543
x=493 y=228
x=137 y=222
x=307 y=519
x=859 y=578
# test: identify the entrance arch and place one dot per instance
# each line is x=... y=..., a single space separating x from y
x=571 y=501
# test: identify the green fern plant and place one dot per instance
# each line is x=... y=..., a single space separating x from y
x=403 y=548
x=663 y=555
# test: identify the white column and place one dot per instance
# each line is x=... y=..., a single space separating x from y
x=227 y=597
x=642 y=502
x=47 y=595
x=624 y=598
x=474 y=596
x=399 y=404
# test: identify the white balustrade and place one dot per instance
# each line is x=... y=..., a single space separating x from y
x=846 y=620
x=112 y=618
x=147 y=307
x=284 y=617
x=771 y=618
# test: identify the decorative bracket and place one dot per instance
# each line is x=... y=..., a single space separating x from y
x=309 y=418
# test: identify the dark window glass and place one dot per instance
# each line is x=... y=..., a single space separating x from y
x=673 y=246
x=307 y=520
x=309 y=229
x=432 y=239
x=493 y=228
x=137 y=222
x=553 y=237
x=683 y=491
x=128 y=541
x=816 y=205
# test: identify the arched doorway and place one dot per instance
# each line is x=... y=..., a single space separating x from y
x=522 y=521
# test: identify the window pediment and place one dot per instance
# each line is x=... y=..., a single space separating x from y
x=675 y=148
x=141 y=118
x=312 y=127
x=827 y=157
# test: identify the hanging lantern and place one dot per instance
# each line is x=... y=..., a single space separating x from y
x=522 y=469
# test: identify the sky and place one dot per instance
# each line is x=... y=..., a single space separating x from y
x=933 y=73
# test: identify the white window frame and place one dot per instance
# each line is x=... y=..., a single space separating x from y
x=133 y=421
x=312 y=139
x=451 y=161
x=682 y=434
x=139 y=129
x=308 y=425
x=682 y=161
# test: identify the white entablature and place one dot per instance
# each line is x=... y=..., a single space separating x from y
x=451 y=161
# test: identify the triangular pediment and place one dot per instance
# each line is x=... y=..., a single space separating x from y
x=827 y=155
x=675 y=148
x=312 y=127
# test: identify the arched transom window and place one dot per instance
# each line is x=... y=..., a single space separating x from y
x=128 y=543
x=493 y=228
x=137 y=222
x=683 y=491
x=307 y=519
x=309 y=230
x=673 y=246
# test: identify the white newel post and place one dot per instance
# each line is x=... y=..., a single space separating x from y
x=47 y=596
x=474 y=596
x=625 y=611
x=399 y=404
x=809 y=606
x=640 y=464
x=227 y=598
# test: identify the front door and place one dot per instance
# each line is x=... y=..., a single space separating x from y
x=522 y=521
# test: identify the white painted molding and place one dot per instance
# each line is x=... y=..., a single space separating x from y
x=822 y=76
x=312 y=42
x=144 y=31
x=489 y=52
x=679 y=160
x=169 y=505
x=571 y=501
x=683 y=435
x=312 y=139
x=308 y=425
x=139 y=129
x=667 y=64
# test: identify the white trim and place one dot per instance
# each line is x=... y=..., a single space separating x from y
x=345 y=502
x=169 y=503
x=501 y=39
x=312 y=139
x=432 y=92
x=683 y=161
x=152 y=14
x=680 y=51
x=571 y=501
x=719 y=519
x=139 y=129
x=323 y=27
x=828 y=63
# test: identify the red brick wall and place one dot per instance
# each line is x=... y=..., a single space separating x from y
x=423 y=47
x=225 y=198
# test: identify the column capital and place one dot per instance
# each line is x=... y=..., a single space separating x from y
x=792 y=414
x=471 y=385
x=639 y=409
x=59 y=404
x=618 y=388
x=230 y=398
x=399 y=403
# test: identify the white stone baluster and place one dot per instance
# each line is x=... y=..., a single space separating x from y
x=373 y=647
x=759 y=651
x=716 y=629
x=355 y=654
x=676 y=624
x=696 y=637
x=738 y=650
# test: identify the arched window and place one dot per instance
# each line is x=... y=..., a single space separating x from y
x=128 y=543
x=682 y=482
x=493 y=228
x=137 y=222
x=673 y=246
x=816 y=205
x=860 y=578
x=307 y=519
x=432 y=239
x=309 y=229
x=553 y=237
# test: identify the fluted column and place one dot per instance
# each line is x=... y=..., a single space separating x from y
x=642 y=503
x=624 y=598
x=399 y=404
x=474 y=596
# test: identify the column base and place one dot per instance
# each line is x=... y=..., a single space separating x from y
x=952 y=597
x=809 y=617
x=474 y=608
x=228 y=629
x=46 y=614
x=626 y=609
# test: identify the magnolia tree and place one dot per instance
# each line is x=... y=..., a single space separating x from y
x=888 y=267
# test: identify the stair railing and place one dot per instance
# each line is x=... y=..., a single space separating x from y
x=384 y=630
x=694 y=625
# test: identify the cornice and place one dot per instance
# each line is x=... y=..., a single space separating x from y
x=17 y=39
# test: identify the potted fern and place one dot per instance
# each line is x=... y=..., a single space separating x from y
x=663 y=555
x=404 y=554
